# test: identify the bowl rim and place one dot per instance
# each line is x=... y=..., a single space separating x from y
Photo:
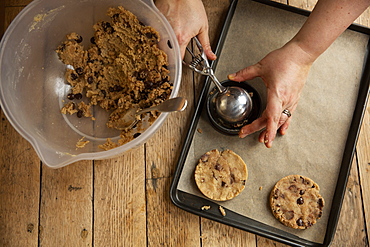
x=64 y=158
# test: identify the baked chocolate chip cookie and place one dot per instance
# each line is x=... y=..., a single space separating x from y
x=221 y=175
x=295 y=201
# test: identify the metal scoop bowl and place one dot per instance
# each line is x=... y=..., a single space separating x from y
x=233 y=104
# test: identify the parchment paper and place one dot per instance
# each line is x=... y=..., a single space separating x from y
x=315 y=141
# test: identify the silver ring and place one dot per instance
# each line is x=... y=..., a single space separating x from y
x=287 y=112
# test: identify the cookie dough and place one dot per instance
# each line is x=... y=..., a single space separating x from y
x=121 y=68
x=295 y=201
x=221 y=175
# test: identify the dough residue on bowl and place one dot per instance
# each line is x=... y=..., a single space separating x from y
x=122 y=68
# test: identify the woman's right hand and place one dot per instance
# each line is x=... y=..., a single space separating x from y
x=188 y=19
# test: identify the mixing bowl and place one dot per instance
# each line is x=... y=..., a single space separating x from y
x=32 y=84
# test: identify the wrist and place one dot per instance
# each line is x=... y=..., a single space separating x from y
x=300 y=53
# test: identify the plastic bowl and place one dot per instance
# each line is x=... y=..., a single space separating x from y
x=32 y=85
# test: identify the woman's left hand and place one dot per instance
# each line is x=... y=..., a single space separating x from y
x=284 y=72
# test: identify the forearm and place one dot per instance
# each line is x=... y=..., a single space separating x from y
x=327 y=21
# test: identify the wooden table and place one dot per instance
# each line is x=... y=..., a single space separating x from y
x=124 y=201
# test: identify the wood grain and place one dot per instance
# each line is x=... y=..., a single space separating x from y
x=19 y=188
x=66 y=205
x=119 y=200
x=2 y=18
x=363 y=159
x=124 y=201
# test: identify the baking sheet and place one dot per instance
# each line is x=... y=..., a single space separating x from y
x=318 y=134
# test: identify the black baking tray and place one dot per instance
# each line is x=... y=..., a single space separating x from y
x=193 y=204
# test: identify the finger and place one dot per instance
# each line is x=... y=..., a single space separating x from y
x=273 y=114
x=182 y=51
x=183 y=43
x=255 y=126
x=271 y=129
x=247 y=73
x=204 y=41
x=283 y=125
x=283 y=128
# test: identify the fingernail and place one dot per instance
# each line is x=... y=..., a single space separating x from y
x=231 y=76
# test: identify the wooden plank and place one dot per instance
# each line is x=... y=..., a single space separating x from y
x=305 y=4
x=10 y=14
x=351 y=225
x=168 y=225
x=66 y=205
x=119 y=200
x=14 y=3
x=363 y=154
x=2 y=18
x=19 y=188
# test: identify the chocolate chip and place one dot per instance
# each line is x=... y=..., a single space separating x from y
x=118 y=88
x=149 y=35
x=70 y=96
x=137 y=135
x=62 y=47
x=204 y=157
x=166 y=79
x=115 y=16
x=319 y=215
x=321 y=203
x=300 y=222
x=218 y=167
x=78 y=96
x=300 y=201
x=90 y=80
x=79 y=114
x=74 y=76
x=93 y=41
x=301 y=192
x=79 y=39
x=107 y=27
x=223 y=184
x=149 y=85
x=232 y=178
x=79 y=71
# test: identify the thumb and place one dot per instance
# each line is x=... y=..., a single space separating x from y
x=247 y=73
x=204 y=41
